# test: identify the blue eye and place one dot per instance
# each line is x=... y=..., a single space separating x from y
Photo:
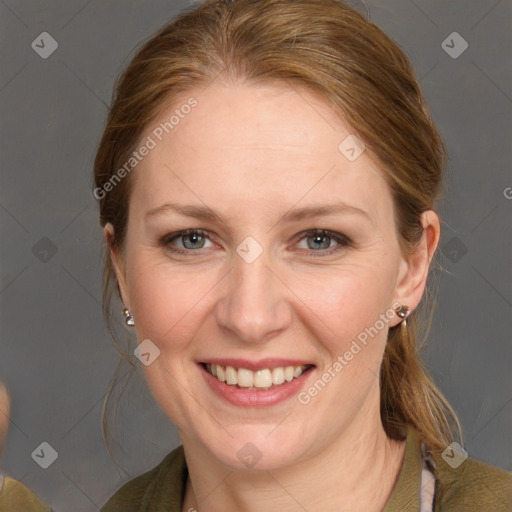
x=321 y=239
x=193 y=240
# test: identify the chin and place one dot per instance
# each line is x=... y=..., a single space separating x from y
x=258 y=448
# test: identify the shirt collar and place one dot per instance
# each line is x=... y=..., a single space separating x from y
x=406 y=493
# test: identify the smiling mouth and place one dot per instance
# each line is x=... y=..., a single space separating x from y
x=260 y=380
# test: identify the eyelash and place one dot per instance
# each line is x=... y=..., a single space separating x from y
x=342 y=240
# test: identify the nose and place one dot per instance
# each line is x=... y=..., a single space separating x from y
x=254 y=306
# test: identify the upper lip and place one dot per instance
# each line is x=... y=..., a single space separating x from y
x=256 y=365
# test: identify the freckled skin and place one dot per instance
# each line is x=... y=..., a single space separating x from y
x=252 y=153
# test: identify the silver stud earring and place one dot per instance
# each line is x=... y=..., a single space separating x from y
x=128 y=318
x=403 y=313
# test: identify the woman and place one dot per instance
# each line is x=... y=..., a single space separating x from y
x=267 y=182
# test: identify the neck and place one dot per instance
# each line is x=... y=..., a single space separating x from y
x=355 y=473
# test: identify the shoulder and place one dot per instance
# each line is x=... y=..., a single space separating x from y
x=161 y=486
x=15 y=496
x=472 y=486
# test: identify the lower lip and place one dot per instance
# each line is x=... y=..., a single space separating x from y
x=252 y=398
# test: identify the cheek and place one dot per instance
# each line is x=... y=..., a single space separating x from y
x=170 y=302
x=348 y=301
x=167 y=306
x=163 y=301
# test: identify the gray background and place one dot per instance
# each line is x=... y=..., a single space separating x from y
x=56 y=357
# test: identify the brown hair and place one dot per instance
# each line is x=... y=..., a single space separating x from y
x=5 y=409
x=326 y=47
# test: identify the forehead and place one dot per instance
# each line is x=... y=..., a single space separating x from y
x=263 y=146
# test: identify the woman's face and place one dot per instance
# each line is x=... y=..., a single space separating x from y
x=253 y=169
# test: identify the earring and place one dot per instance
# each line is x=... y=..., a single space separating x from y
x=403 y=313
x=128 y=318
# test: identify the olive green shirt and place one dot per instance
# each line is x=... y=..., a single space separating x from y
x=15 y=497
x=471 y=487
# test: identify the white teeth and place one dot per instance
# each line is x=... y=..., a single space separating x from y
x=260 y=379
x=245 y=378
x=231 y=377
x=221 y=375
x=288 y=373
x=278 y=376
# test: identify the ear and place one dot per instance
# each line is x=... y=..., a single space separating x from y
x=414 y=267
x=117 y=262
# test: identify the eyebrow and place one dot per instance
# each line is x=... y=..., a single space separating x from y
x=295 y=215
